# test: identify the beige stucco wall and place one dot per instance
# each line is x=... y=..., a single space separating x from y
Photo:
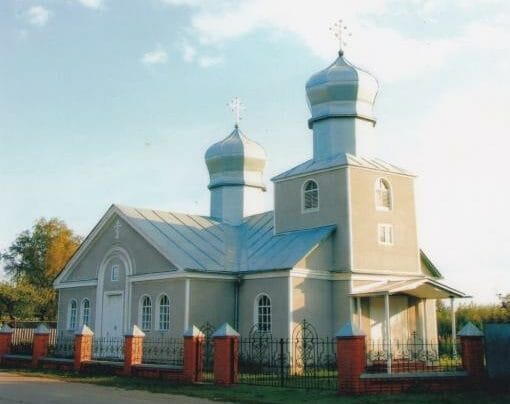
x=174 y=289
x=145 y=258
x=65 y=296
x=311 y=301
x=333 y=209
x=321 y=258
x=277 y=289
x=341 y=303
x=368 y=254
x=211 y=301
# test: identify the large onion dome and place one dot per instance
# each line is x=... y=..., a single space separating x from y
x=341 y=90
x=236 y=160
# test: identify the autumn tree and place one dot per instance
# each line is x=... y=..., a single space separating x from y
x=34 y=260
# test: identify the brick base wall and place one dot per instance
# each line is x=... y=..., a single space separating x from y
x=375 y=385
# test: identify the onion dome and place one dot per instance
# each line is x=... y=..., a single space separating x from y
x=341 y=90
x=236 y=160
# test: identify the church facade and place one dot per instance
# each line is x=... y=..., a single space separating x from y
x=340 y=246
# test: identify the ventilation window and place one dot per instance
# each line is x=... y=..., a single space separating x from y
x=310 y=196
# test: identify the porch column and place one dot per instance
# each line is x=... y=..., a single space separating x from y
x=454 y=327
x=387 y=330
x=358 y=301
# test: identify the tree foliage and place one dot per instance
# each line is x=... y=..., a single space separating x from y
x=32 y=262
x=478 y=314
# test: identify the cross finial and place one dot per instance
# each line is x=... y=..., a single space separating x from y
x=116 y=229
x=237 y=107
x=341 y=32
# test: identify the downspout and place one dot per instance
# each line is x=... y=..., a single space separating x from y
x=237 y=285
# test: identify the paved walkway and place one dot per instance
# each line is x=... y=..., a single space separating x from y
x=38 y=390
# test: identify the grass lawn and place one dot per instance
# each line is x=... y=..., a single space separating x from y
x=260 y=394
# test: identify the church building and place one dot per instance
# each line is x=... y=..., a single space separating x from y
x=340 y=246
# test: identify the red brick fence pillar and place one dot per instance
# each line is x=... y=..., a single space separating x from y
x=5 y=340
x=471 y=341
x=133 y=349
x=40 y=344
x=350 y=359
x=193 y=354
x=83 y=339
x=226 y=348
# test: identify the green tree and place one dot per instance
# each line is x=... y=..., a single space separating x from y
x=34 y=260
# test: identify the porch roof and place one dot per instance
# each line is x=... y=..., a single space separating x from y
x=423 y=288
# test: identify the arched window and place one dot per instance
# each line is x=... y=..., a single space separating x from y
x=164 y=313
x=263 y=317
x=382 y=194
x=146 y=313
x=72 y=314
x=310 y=196
x=85 y=312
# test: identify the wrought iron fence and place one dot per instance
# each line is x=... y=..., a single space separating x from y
x=163 y=350
x=61 y=346
x=414 y=355
x=208 y=370
x=304 y=361
x=108 y=348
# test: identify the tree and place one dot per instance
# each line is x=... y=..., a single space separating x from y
x=34 y=260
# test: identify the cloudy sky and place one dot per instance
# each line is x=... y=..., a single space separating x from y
x=106 y=101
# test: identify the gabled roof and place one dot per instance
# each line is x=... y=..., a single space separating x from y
x=200 y=243
x=434 y=272
x=340 y=160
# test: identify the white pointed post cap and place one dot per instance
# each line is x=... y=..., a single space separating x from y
x=135 y=332
x=5 y=329
x=225 y=330
x=470 y=330
x=84 y=330
x=349 y=330
x=193 y=331
x=42 y=329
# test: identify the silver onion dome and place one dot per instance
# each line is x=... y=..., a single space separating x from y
x=341 y=90
x=236 y=160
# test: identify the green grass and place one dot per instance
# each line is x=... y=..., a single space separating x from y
x=260 y=394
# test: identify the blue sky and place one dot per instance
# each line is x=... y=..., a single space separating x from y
x=106 y=101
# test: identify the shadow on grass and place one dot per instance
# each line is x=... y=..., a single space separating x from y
x=262 y=394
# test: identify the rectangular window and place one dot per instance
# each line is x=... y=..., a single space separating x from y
x=115 y=272
x=385 y=234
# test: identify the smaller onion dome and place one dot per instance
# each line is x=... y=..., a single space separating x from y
x=236 y=160
x=341 y=90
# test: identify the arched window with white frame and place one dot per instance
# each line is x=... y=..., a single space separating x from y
x=85 y=312
x=164 y=313
x=263 y=313
x=72 y=313
x=383 y=198
x=310 y=196
x=146 y=313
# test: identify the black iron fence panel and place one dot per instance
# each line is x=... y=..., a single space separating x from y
x=108 y=349
x=208 y=352
x=303 y=361
x=163 y=350
x=61 y=346
x=414 y=355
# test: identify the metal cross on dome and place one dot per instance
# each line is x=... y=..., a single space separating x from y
x=237 y=107
x=340 y=31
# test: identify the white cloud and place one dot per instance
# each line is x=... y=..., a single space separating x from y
x=463 y=190
x=389 y=53
x=208 y=61
x=38 y=15
x=157 y=56
x=188 y=52
x=94 y=4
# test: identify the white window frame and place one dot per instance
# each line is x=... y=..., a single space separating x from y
x=72 y=315
x=256 y=314
x=304 y=209
x=115 y=273
x=377 y=189
x=141 y=314
x=389 y=233
x=84 y=310
x=158 y=313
